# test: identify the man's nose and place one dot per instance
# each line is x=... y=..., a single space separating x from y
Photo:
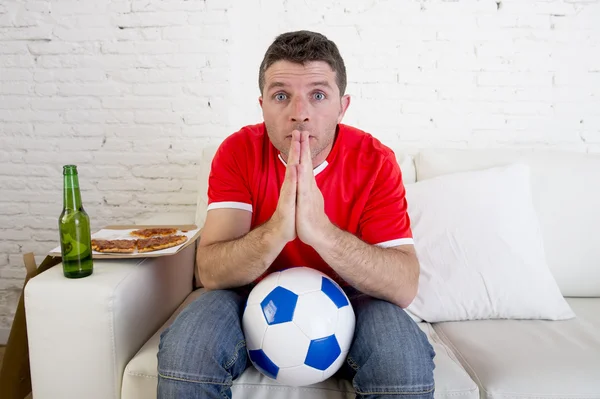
x=299 y=111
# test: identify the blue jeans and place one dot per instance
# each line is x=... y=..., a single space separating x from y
x=204 y=350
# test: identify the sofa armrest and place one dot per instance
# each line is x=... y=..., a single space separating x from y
x=83 y=332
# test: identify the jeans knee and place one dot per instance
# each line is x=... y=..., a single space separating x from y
x=390 y=353
x=205 y=339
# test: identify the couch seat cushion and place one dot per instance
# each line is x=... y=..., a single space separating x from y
x=531 y=358
x=140 y=378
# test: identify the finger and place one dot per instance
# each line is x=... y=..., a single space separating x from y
x=305 y=157
x=294 y=154
x=288 y=188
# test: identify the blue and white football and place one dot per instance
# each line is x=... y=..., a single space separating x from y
x=298 y=325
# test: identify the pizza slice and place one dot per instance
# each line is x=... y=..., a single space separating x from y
x=156 y=243
x=147 y=233
x=119 y=246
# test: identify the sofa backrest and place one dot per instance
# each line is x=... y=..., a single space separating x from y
x=566 y=193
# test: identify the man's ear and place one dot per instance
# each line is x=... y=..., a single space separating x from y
x=260 y=101
x=345 y=104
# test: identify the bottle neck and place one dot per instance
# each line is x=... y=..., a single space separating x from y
x=71 y=194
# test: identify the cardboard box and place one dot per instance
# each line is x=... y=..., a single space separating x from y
x=120 y=231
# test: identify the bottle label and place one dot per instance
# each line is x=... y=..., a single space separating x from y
x=73 y=249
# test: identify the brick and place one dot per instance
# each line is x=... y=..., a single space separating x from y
x=15 y=75
x=162 y=198
x=139 y=34
x=65 y=103
x=9 y=47
x=119 y=185
x=16 y=61
x=11 y=284
x=213 y=17
x=89 y=89
x=9 y=247
x=61 y=7
x=108 y=158
x=134 y=131
x=39 y=48
x=99 y=116
x=147 y=6
x=182 y=32
x=517 y=79
x=158 y=47
x=80 y=144
x=29 y=116
x=46 y=90
x=33 y=170
x=14 y=102
x=110 y=198
x=70 y=75
x=16 y=234
x=158 y=185
x=150 y=19
x=159 y=89
x=82 y=34
x=42 y=32
x=169 y=171
x=45 y=235
x=153 y=117
x=66 y=158
x=17 y=273
x=136 y=103
x=38 y=6
x=158 y=144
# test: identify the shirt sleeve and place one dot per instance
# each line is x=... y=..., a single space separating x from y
x=385 y=221
x=228 y=185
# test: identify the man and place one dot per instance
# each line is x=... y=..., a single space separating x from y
x=303 y=189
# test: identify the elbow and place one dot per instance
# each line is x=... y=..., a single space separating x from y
x=205 y=278
x=208 y=283
x=406 y=298
x=407 y=294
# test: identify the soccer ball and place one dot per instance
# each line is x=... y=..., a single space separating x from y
x=299 y=325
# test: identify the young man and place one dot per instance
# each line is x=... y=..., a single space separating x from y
x=302 y=189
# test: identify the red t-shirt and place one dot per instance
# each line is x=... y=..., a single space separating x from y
x=360 y=180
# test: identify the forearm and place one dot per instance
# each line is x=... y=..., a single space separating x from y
x=239 y=262
x=385 y=273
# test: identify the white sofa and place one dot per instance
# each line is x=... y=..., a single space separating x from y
x=97 y=338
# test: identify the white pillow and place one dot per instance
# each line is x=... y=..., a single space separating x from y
x=480 y=247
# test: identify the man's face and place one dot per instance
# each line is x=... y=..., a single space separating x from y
x=302 y=97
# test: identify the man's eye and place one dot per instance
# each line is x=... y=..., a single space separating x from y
x=280 y=97
x=319 y=96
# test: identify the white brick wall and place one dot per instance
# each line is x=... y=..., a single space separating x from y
x=132 y=90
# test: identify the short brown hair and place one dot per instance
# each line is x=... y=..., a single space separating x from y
x=302 y=47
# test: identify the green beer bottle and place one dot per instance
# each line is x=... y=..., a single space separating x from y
x=74 y=228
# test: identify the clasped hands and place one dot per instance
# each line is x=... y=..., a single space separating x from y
x=300 y=210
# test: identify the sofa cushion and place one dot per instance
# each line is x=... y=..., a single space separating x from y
x=140 y=377
x=531 y=358
x=566 y=195
x=404 y=160
x=478 y=241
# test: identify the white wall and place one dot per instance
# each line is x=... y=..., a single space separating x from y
x=131 y=91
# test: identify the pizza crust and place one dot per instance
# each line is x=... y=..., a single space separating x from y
x=118 y=246
x=147 y=233
x=142 y=244
x=158 y=243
